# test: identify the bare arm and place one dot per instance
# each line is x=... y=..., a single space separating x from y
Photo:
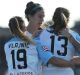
x=76 y=43
x=47 y=57
x=60 y=62
x=76 y=60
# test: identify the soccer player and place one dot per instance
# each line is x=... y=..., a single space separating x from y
x=53 y=39
x=35 y=14
x=21 y=53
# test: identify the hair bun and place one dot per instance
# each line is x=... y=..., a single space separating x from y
x=30 y=4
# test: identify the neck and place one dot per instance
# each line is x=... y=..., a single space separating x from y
x=31 y=28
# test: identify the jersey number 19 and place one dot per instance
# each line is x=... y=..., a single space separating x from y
x=16 y=57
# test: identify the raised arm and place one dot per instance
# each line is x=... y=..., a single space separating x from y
x=75 y=41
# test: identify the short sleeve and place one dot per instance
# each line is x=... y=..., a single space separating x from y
x=44 y=53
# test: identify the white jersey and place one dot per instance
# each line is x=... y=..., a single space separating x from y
x=22 y=58
x=61 y=47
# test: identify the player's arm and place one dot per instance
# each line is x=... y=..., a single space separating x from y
x=48 y=58
x=75 y=41
x=65 y=32
x=76 y=60
x=60 y=62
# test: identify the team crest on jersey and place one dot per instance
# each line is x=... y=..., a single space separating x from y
x=45 y=48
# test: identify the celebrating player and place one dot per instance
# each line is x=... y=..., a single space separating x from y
x=21 y=53
x=54 y=40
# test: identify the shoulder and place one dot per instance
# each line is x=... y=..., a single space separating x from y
x=45 y=31
x=13 y=40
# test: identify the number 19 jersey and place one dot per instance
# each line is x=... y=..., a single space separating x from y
x=22 y=58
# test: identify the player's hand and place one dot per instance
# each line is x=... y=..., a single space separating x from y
x=65 y=32
x=76 y=61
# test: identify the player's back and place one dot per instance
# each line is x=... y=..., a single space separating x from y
x=61 y=48
x=21 y=57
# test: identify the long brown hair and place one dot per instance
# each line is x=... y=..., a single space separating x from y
x=14 y=25
x=60 y=18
